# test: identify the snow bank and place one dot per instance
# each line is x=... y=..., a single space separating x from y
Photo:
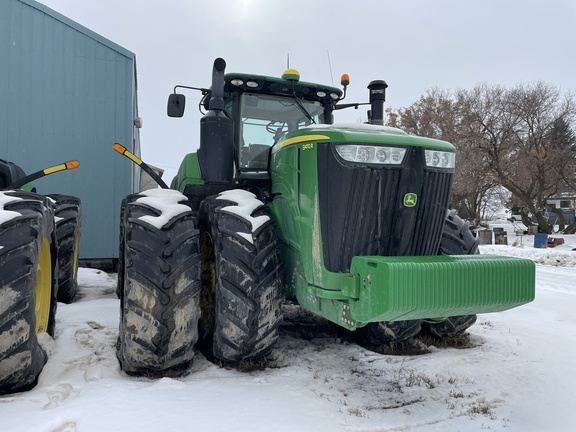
x=522 y=246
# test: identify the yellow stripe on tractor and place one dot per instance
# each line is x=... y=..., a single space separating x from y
x=298 y=140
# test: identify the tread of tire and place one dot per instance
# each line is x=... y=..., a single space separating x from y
x=68 y=224
x=388 y=332
x=249 y=289
x=160 y=295
x=457 y=239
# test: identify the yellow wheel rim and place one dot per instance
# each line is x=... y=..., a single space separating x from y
x=43 y=287
x=75 y=254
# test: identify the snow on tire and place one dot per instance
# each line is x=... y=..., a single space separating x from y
x=28 y=285
x=457 y=239
x=160 y=293
x=68 y=225
x=242 y=267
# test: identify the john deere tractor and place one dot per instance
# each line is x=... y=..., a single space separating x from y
x=351 y=221
x=39 y=239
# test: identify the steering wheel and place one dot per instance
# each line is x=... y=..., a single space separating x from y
x=277 y=129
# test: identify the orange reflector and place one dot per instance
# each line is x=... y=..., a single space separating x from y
x=72 y=164
x=119 y=148
x=124 y=151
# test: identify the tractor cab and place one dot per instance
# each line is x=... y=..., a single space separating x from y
x=246 y=115
x=264 y=109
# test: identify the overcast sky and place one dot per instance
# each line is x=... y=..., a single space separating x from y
x=413 y=45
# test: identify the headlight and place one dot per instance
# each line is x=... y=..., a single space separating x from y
x=371 y=154
x=440 y=159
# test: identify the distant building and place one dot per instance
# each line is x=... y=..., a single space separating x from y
x=565 y=202
x=69 y=93
x=147 y=182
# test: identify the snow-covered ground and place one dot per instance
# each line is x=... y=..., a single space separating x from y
x=516 y=374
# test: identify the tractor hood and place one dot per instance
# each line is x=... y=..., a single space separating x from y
x=360 y=133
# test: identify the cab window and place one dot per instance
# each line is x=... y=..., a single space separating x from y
x=265 y=120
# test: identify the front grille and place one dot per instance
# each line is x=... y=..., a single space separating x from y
x=362 y=211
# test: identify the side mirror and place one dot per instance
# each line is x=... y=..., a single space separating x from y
x=176 y=105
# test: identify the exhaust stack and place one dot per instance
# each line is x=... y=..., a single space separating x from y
x=377 y=90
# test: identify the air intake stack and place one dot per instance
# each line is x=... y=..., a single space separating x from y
x=216 y=153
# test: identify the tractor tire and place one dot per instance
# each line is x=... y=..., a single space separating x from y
x=242 y=277
x=121 y=247
x=28 y=286
x=387 y=332
x=450 y=327
x=68 y=225
x=159 y=298
x=457 y=239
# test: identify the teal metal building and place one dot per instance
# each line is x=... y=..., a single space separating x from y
x=68 y=93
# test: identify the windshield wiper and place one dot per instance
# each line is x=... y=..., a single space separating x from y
x=301 y=107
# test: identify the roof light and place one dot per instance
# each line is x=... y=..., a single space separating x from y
x=334 y=96
x=321 y=94
x=237 y=82
x=252 y=84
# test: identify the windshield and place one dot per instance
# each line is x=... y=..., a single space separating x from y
x=266 y=119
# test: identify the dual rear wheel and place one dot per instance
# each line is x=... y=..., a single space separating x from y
x=28 y=286
x=185 y=275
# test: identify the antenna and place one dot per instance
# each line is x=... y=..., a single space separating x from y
x=330 y=66
x=287 y=60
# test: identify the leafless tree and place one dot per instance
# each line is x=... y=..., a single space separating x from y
x=438 y=114
x=520 y=138
x=513 y=128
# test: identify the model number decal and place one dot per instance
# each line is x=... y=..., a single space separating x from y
x=308 y=146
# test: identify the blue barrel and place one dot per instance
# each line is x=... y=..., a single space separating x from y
x=540 y=240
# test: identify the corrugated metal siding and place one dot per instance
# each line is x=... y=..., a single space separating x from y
x=67 y=93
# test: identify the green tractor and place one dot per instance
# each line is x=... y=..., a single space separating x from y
x=351 y=221
x=39 y=243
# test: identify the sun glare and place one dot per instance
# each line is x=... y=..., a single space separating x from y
x=245 y=8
